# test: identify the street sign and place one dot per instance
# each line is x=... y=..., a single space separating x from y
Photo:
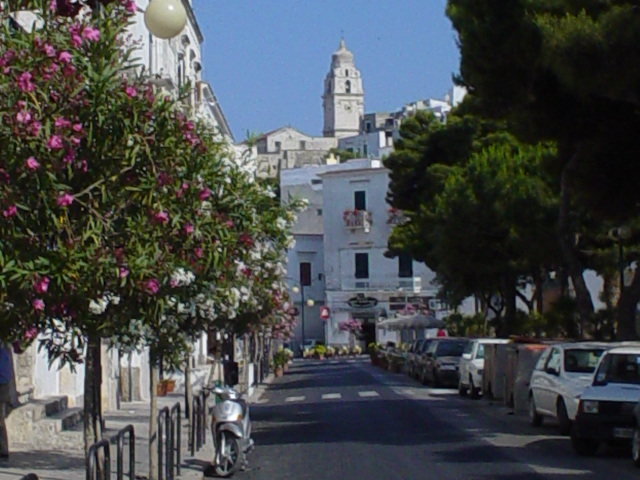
x=325 y=313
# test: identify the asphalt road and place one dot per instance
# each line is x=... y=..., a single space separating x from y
x=348 y=420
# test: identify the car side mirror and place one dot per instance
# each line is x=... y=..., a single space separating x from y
x=466 y=356
x=552 y=371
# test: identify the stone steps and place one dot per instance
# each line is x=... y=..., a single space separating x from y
x=46 y=423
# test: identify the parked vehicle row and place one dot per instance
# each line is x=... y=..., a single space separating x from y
x=592 y=389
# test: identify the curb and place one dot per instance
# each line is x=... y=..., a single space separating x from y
x=259 y=390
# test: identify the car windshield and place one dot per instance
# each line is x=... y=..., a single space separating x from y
x=582 y=360
x=619 y=368
x=450 y=349
x=480 y=352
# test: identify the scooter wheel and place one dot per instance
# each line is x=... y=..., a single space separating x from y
x=229 y=461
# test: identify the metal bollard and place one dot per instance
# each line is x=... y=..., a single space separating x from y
x=176 y=433
x=194 y=425
x=164 y=434
x=119 y=439
x=94 y=450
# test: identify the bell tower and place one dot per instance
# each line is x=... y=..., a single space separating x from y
x=343 y=98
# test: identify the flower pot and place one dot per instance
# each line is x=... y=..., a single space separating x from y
x=286 y=367
x=279 y=372
x=161 y=389
x=321 y=357
x=171 y=385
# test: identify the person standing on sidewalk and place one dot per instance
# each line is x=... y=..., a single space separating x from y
x=6 y=377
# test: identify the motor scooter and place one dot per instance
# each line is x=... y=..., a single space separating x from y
x=231 y=430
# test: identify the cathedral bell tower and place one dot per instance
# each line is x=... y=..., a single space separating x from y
x=343 y=98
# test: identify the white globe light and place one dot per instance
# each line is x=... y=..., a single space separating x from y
x=310 y=303
x=165 y=18
x=295 y=290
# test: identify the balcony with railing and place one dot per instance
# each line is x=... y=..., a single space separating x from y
x=411 y=284
x=357 y=220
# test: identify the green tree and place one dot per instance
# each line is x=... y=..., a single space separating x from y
x=559 y=71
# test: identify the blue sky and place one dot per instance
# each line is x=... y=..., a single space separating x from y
x=266 y=59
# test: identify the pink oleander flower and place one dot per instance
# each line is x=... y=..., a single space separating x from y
x=64 y=200
x=32 y=163
x=49 y=51
x=55 y=142
x=41 y=285
x=23 y=116
x=189 y=126
x=10 y=211
x=62 y=122
x=31 y=333
x=185 y=186
x=77 y=127
x=38 y=304
x=68 y=71
x=69 y=157
x=152 y=286
x=90 y=33
x=162 y=216
x=205 y=193
x=124 y=272
x=24 y=82
x=34 y=129
x=76 y=141
x=64 y=57
x=188 y=229
x=198 y=252
x=130 y=91
x=130 y=6
x=84 y=166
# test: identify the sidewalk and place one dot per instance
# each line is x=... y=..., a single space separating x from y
x=70 y=465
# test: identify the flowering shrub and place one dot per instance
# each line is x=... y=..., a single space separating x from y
x=352 y=325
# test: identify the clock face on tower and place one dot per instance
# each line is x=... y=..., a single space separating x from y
x=347 y=107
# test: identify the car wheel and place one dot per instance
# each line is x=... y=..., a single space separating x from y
x=635 y=447
x=534 y=417
x=563 y=418
x=462 y=390
x=585 y=447
x=474 y=392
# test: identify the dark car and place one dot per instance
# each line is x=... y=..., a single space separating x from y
x=421 y=358
x=442 y=361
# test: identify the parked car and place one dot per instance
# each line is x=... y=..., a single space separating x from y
x=442 y=361
x=606 y=412
x=562 y=373
x=472 y=365
x=420 y=358
x=415 y=347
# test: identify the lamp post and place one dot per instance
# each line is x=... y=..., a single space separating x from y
x=299 y=288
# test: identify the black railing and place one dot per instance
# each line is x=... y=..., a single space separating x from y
x=168 y=442
x=119 y=439
x=198 y=424
x=105 y=463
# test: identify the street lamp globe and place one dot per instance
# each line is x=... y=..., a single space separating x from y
x=624 y=232
x=310 y=303
x=165 y=18
x=295 y=290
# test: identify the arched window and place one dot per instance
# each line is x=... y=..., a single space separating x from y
x=348 y=86
x=346 y=73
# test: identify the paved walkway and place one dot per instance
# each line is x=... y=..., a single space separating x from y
x=70 y=465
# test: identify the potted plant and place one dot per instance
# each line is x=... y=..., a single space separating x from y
x=330 y=352
x=161 y=388
x=373 y=354
x=171 y=384
x=320 y=351
x=279 y=361
x=357 y=350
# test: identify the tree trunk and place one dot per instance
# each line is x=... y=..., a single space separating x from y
x=567 y=244
x=510 y=295
x=153 y=417
x=92 y=416
x=627 y=306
